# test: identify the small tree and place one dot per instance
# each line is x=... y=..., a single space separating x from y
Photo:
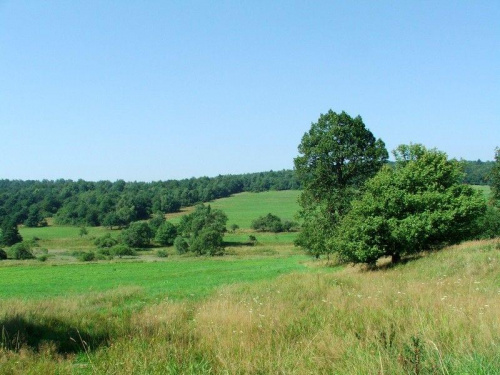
x=83 y=231
x=418 y=205
x=166 y=234
x=138 y=234
x=105 y=241
x=9 y=235
x=268 y=223
x=181 y=245
x=22 y=251
x=156 y=222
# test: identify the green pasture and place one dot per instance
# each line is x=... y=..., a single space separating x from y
x=176 y=279
x=243 y=208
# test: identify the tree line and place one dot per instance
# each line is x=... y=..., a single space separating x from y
x=117 y=204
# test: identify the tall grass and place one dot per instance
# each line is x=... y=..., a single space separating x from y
x=438 y=314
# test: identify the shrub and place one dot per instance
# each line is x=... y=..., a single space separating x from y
x=268 y=223
x=290 y=226
x=138 y=234
x=208 y=241
x=181 y=245
x=87 y=257
x=162 y=253
x=22 y=250
x=105 y=241
x=156 y=221
x=43 y=258
x=166 y=234
x=3 y=254
x=121 y=250
x=488 y=225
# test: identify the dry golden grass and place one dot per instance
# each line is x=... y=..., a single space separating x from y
x=438 y=314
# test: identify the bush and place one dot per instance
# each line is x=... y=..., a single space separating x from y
x=208 y=241
x=268 y=223
x=121 y=250
x=166 y=234
x=162 y=253
x=43 y=258
x=181 y=245
x=22 y=251
x=104 y=251
x=105 y=241
x=488 y=225
x=3 y=254
x=138 y=234
x=252 y=239
x=87 y=257
x=290 y=226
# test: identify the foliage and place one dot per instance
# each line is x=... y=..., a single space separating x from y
x=205 y=229
x=416 y=206
x=477 y=172
x=166 y=234
x=105 y=241
x=116 y=204
x=268 y=223
x=272 y=223
x=83 y=231
x=181 y=245
x=488 y=225
x=3 y=254
x=21 y=251
x=162 y=254
x=122 y=250
x=208 y=242
x=336 y=157
x=156 y=221
x=9 y=234
x=35 y=217
x=138 y=234
x=87 y=256
x=495 y=177
x=234 y=227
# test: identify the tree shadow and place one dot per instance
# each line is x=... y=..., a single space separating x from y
x=17 y=332
x=238 y=244
x=387 y=264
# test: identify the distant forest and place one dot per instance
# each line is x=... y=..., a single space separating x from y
x=116 y=204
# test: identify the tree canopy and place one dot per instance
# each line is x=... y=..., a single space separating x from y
x=419 y=204
x=336 y=157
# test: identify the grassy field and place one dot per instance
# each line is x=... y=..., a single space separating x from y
x=243 y=208
x=485 y=189
x=434 y=315
x=264 y=309
x=182 y=278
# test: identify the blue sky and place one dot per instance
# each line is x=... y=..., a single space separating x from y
x=155 y=90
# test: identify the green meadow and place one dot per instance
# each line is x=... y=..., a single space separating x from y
x=261 y=309
x=178 y=279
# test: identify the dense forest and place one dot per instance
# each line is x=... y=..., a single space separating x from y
x=119 y=203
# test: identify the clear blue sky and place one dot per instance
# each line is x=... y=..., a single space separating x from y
x=154 y=90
